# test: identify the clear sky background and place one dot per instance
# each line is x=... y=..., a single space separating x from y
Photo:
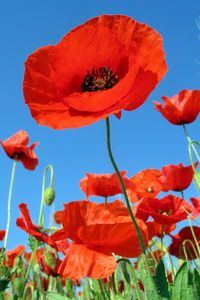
x=141 y=139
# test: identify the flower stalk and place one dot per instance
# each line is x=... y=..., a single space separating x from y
x=123 y=186
x=9 y=202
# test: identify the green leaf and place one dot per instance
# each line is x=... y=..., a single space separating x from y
x=4 y=284
x=54 y=296
x=196 y=284
x=161 y=280
x=148 y=282
x=181 y=288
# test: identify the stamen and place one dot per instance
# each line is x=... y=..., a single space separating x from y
x=99 y=80
x=165 y=213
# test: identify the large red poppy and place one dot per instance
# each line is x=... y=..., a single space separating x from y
x=145 y=185
x=182 y=108
x=176 y=177
x=166 y=211
x=97 y=231
x=107 y=64
x=16 y=148
x=185 y=239
x=104 y=185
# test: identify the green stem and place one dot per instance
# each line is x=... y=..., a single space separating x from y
x=23 y=291
x=134 y=277
x=9 y=202
x=48 y=168
x=103 y=291
x=40 y=221
x=182 y=195
x=190 y=142
x=123 y=186
x=194 y=236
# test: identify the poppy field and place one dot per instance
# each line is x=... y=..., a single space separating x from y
x=140 y=238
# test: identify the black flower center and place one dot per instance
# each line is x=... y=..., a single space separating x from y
x=17 y=155
x=99 y=80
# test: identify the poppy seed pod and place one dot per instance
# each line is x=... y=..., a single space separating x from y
x=49 y=195
x=49 y=259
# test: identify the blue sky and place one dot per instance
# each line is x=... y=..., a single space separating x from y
x=141 y=139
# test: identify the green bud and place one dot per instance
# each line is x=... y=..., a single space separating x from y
x=197 y=179
x=49 y=195
x=17 y=285
x=49 y=259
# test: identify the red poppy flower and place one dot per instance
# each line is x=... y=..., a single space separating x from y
x=182 y=108
x=47 y=258
x=97 y=231
x=27 y=225
x=196 y=204
x=145 y=185
x=176 y=177
x=16 y=148
x=12 y=254
x=2 y=234
x=185 y=237
x=104 y=185
x=166 y=211
x=157 y=230
x=105 y=65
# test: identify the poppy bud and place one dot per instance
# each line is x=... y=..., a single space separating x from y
x=49 y=195
x=49 y=260
x=197 y=179
x=18 y=284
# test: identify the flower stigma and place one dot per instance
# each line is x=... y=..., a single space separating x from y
x=99 y=80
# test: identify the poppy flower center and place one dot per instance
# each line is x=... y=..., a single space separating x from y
x=99 y=80
x=149 y=190
x=165 y=213
x=17 y=155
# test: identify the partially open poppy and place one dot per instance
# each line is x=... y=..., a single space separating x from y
x=182 y=108
x=105 y=65
x=16 y=148
x=176 y=177
x=97 y=231
x=2 y=234
x=48 y=260
x=104 y=185
x=12 y=254
x=185 y=240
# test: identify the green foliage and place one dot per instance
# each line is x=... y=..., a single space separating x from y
x=4 y=284
x=55 y=296
x=186 y=284
x=151 y=292
x=161 y=281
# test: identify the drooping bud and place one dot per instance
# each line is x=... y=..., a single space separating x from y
x=49 y=195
